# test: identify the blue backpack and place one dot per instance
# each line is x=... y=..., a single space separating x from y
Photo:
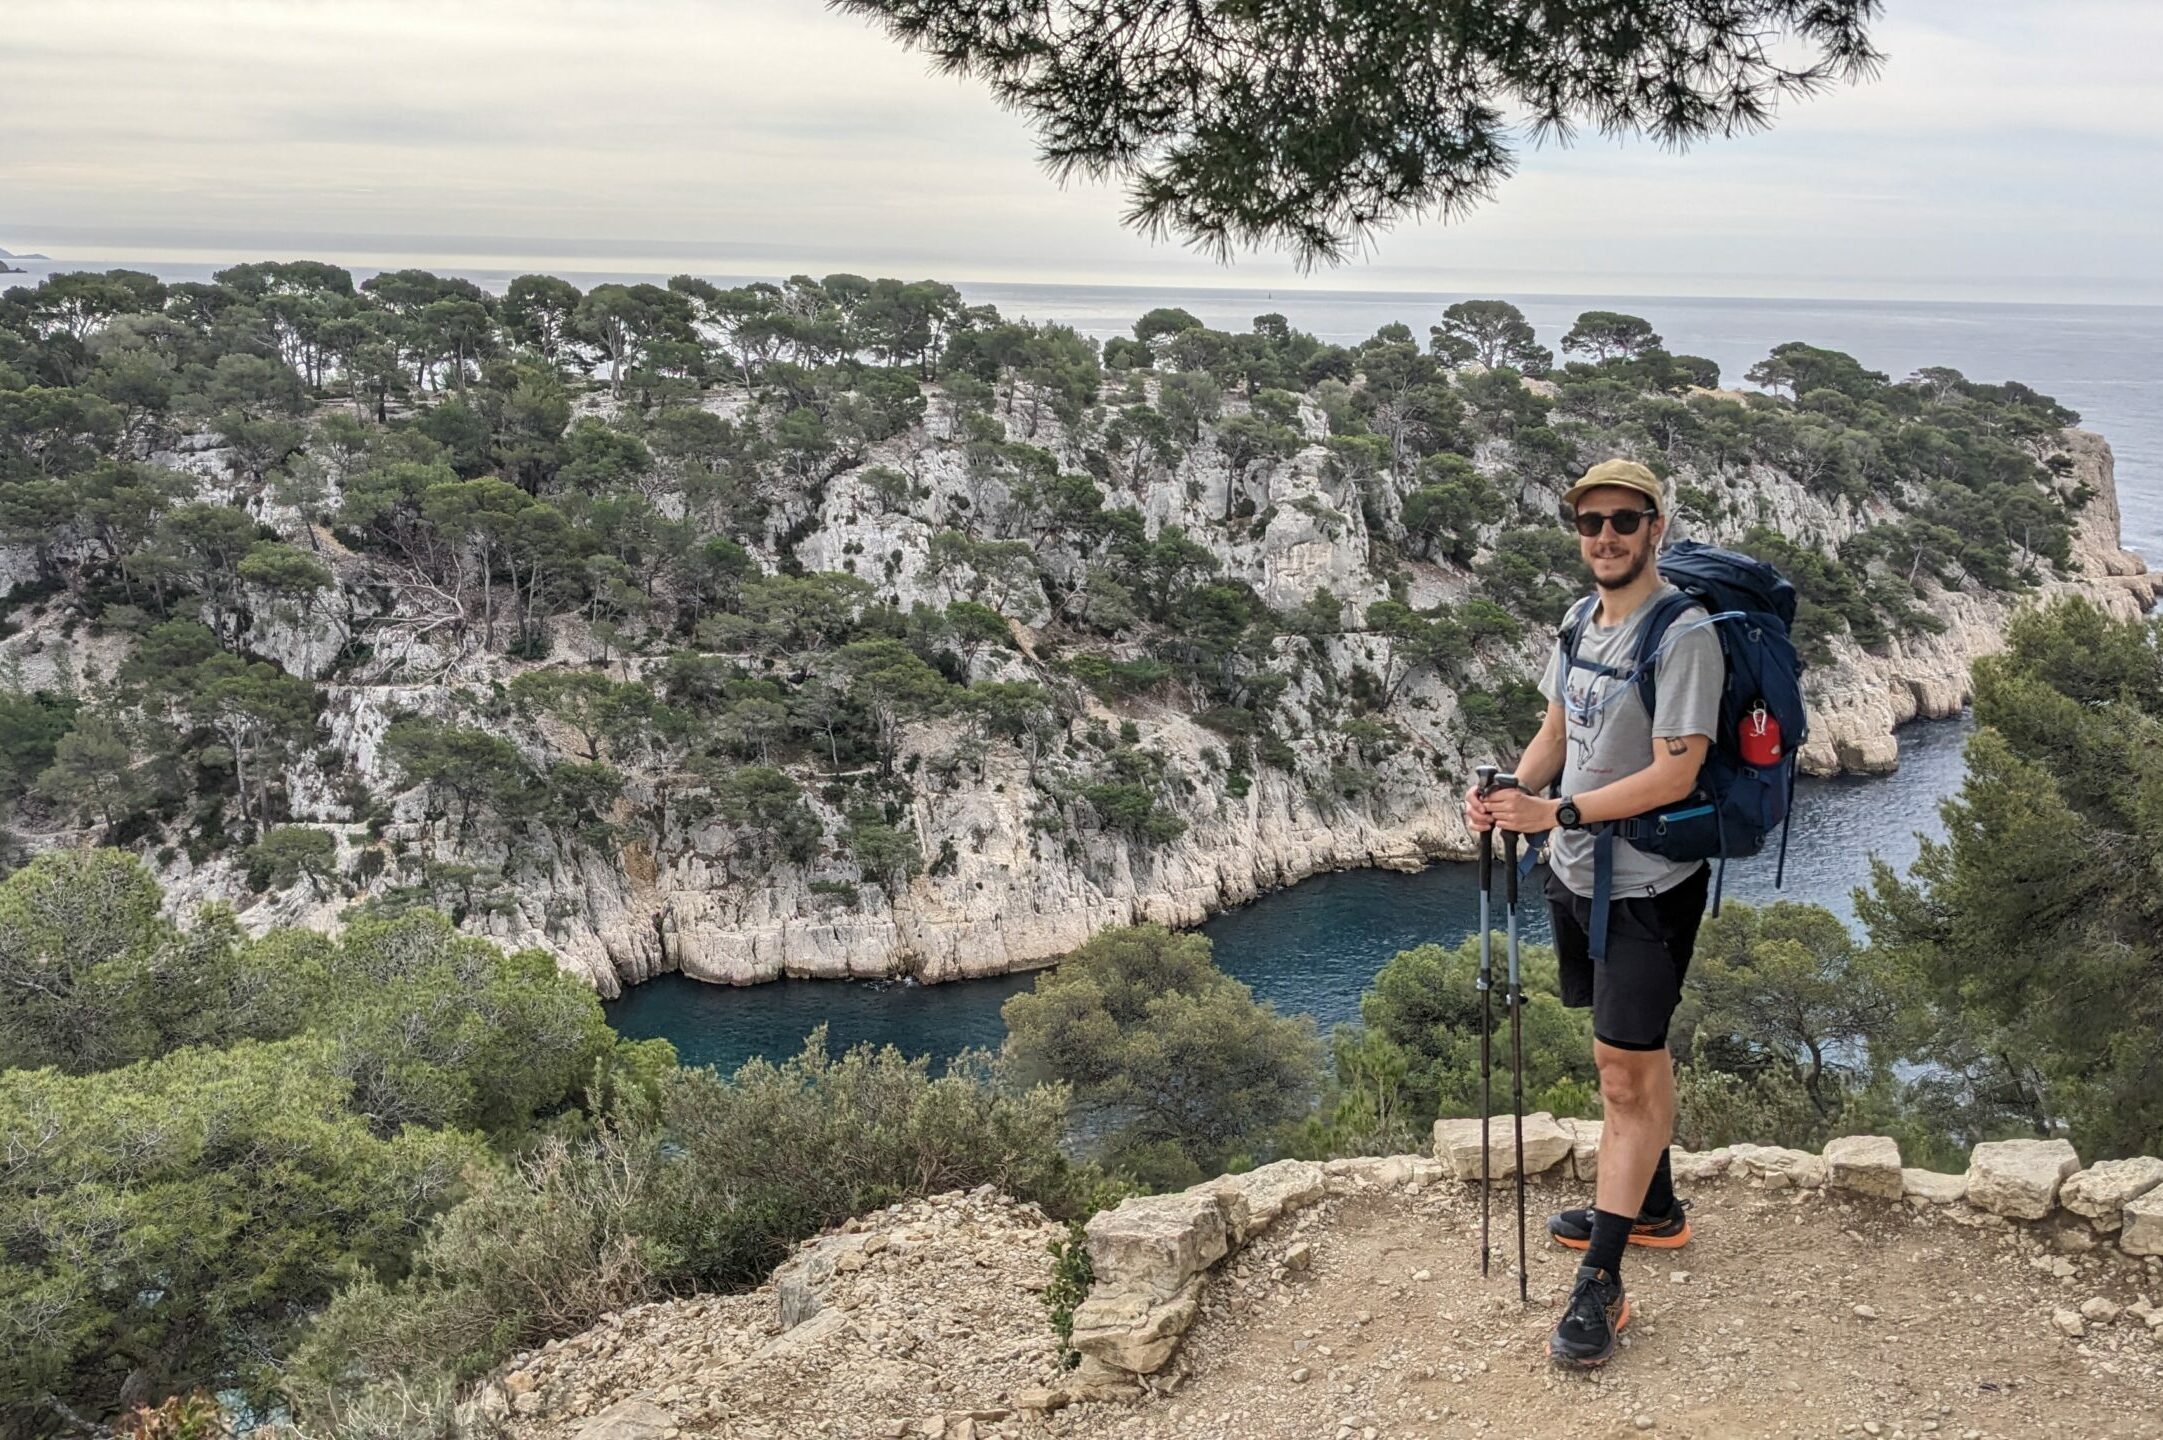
x=1746 y=788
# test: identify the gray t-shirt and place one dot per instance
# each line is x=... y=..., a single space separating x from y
x=1617 y=739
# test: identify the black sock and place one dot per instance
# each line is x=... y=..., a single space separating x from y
x=1660 y=1194
x=1610 y=1232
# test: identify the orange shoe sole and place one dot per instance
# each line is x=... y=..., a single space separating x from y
x=1651 y=1242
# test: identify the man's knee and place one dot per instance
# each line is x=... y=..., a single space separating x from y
x=1627 y=1077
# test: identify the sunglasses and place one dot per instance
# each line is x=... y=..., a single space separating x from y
x=1588 y=522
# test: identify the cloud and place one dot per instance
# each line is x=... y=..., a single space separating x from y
x=2009 y=147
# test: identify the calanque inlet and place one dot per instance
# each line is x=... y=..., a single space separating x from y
x=937 y=668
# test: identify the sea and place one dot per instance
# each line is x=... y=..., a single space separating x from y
x=1314 y=947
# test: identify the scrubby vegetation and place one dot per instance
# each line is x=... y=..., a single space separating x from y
x=336 y=1175
x=328 y=1173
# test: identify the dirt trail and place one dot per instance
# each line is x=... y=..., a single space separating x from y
x=1792 y=1313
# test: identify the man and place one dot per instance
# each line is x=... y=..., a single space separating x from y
x=1615 y=761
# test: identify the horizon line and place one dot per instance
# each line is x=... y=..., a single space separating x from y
x=1500 y=284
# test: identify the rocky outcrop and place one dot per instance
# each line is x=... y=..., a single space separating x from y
x=1860 y=700
x=1008 y=898
x=924 y=1319
x=1009 y=889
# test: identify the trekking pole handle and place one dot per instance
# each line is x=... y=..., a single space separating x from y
x=1509 y=839
x=1485 y=776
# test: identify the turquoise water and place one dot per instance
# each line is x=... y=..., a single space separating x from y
x=1310 y=949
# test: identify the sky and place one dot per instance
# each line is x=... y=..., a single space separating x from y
x=2011 y=151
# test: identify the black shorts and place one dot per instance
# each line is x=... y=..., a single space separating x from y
x=1633 y=993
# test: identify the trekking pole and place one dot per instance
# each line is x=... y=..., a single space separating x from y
x=1486 y=774
x=1515 y=998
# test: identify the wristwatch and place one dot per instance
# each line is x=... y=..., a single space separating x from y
x=1566 y=814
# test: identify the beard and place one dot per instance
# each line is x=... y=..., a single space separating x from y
x=1637 y=564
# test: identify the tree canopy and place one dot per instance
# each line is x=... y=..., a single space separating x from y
x=1309 y=126
x=2036 y=920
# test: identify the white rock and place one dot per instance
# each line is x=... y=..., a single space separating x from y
x=2069 y=1322
x=2019 y=1178
x=1866 y=1164
x=1261 y=1197
x=2143 y=1232
x=628 y=1420
x=1125 y=1330
x=2098 y=1311
x=1585 y=1148
x=1780 y=1166
x=1152 y=1244
x=2102 y=1191
x=1933 y=1188
x=1701 y=1165
x=1547 y=1144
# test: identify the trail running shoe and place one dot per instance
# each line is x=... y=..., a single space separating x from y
x=1661 y=1232
x=1594 y=1315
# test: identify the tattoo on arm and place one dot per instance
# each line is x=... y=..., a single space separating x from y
x=1676 y=745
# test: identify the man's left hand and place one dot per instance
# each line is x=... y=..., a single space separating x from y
x=1522 y=811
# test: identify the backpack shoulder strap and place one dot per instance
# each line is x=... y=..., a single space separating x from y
x=1665 y=612
x=1573 y=627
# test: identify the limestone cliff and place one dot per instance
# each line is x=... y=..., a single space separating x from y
x=1016 y=882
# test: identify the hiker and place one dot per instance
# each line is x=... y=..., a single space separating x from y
x=1615 y=760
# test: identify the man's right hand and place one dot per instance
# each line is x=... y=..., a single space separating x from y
x=1477 y=815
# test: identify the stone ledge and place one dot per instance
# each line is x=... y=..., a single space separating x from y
x=1151 y=1253
x=1154 y=1253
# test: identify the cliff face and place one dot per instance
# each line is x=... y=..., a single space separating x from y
x=1858 y=701
x=1013 y=899
x=1008 y=891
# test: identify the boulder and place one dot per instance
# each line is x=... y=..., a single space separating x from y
x=2101 y=1192
x=1350 y=1175
x=2019 y=1178
x=1780 y=1167
x=1866 y=1164
x=1152 y=1244
x=1125 y=1330
x=1547 y=1145
x=629 y=1420
x=800 y=1281
x=1701 y=1164
x=1096 y=1380
x=1585 y=1148
x=1930 y=1188
x=2143 y=1232
x=1254 y=1201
